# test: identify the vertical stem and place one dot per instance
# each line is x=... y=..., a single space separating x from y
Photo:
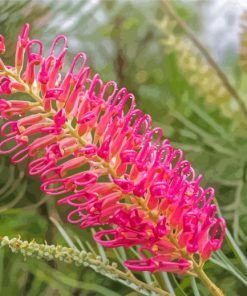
x=206 y=281
x=161 y=281
x=197 y=269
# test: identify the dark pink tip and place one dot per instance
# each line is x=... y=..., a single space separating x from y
x=2 y=45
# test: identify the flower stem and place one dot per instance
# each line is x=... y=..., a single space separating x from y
x=206 y=280
x=199 y=272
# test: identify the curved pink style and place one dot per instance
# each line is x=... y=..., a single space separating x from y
x=90 y=146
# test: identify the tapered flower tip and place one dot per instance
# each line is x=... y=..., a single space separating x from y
x=2 y=45
x=60 y=117
x=4 y=104
x=24 y=35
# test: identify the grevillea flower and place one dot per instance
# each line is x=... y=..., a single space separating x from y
x=97 y=152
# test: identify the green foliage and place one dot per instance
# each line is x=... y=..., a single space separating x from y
x=196 y=70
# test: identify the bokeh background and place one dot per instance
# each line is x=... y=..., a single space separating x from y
x=138 y=44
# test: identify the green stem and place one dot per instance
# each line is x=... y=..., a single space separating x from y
x=160 y=280
x=198 y=271
x=74 y=256
x=207 y=281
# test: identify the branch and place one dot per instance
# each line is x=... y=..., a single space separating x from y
x=79 y=258
x=172 y=13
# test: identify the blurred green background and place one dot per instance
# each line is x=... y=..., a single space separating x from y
x=139 y=45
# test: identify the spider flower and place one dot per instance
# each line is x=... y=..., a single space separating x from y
x=98 y=153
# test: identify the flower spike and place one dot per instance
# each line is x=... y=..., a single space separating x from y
x=99 y=155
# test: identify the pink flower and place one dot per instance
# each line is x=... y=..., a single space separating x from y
x=21 y=46
x=90 y=145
